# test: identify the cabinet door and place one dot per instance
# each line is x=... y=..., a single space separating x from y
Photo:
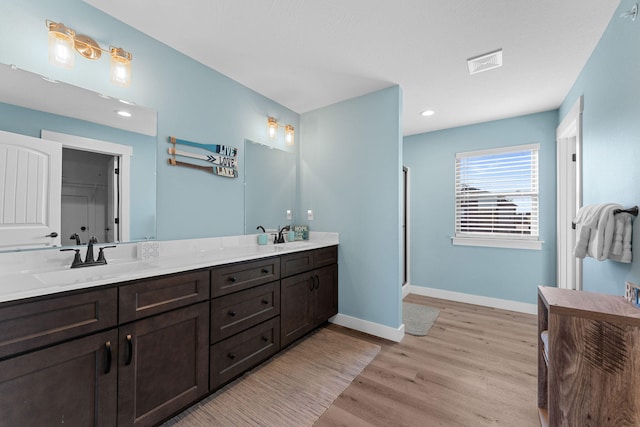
x=325 y=294
x=69 y=384
x=296 y=308
x=163 y=365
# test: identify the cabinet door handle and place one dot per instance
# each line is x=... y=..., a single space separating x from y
x=233 y=279
x=265 y=301
x=265 y=270
x=129 y=350
x=317 y=281
x=231 y=356
x=312 y=284
x=232 y=313
x=107 y=365
x=265 y=339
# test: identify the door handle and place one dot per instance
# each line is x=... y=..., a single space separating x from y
x=52 y=234
x=129 y=350
x=107 y=365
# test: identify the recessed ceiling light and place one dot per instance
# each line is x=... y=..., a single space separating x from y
x=126 y=102
x=123 y=113
x=49 y=79
x=427 y=113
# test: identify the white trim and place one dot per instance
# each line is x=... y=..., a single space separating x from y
x=498 y=150
x=503 y=304
x=498 y=243
x=407 y=232
x=97 y=146
x=376 y=329
x=569 y=195
x=406 y=290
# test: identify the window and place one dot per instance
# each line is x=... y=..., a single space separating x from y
x=497 y=198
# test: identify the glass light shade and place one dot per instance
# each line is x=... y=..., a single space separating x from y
x=120 y=67
x=61 y=45
x=288 y=135
x=272 y=125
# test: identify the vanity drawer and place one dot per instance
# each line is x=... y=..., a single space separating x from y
x=235 y=355
x=233 y=313
x=297 y=262
x=245 y=275
x=325 y=256
x=152 y=296
x=29 y=325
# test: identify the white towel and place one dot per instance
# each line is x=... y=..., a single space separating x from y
x=624 y=220
x=589 y=228
x=601 y=238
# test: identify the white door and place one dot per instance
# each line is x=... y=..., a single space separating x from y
x=30 y=179
x=568 y=137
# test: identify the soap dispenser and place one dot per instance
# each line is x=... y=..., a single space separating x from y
x=262 y=238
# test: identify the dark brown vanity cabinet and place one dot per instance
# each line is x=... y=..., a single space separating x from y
x=309 y=298
x=45 y=379
x=164 y=356
x=67 y=360
x=245 y=317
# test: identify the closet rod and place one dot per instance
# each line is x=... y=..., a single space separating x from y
x=633 y=211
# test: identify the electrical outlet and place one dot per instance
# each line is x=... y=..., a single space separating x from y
x=310 y=215
x=289 y=216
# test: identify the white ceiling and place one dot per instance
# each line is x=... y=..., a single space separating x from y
x=306 y=54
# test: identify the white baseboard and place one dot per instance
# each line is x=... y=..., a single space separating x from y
x=370 y=328
x=406 y=290
x=504 y=304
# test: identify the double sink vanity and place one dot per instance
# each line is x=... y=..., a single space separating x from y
x=135 y=341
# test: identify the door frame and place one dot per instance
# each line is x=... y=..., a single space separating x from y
x=406 y=235
x=569 y=195
x=97 y=146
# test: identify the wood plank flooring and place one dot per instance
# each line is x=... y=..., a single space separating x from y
x=476 y=367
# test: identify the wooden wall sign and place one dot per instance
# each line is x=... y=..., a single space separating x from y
x=224 y=160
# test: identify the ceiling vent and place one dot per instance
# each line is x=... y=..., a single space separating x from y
x=485 y=62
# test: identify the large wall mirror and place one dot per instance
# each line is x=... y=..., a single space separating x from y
x=31 y=105
x=270 y=187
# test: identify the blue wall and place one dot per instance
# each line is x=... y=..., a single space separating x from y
x=351 y=178
x=193 y=102
x=611 y=138
x=511 y=274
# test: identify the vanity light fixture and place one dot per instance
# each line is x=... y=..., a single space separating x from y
x=63 y=40
x=289 y=131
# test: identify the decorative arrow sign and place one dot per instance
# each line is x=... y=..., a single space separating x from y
x=223 y=150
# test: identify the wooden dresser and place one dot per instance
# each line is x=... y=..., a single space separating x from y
x=588 y=359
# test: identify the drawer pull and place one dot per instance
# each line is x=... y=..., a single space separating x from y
x=232 y=313
x=107 y=365
x=129 y=350
x=233 y=279
x=231 y=356
x=265 y=339
x=265 y=301
x=265 y=271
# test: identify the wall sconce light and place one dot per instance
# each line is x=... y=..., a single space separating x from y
x=63 y=40
x=273 y=125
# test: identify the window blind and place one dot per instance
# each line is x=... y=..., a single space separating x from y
x=497 y=193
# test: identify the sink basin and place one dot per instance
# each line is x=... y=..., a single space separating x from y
x=89 y=274
x=298 y=244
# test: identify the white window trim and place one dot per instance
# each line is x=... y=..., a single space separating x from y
x=523 y=242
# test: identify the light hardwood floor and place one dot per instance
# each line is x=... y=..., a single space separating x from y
x=476 y=367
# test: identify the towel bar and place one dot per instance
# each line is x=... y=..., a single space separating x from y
x=633 y=211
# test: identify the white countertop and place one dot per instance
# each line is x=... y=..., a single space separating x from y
x=36 y=273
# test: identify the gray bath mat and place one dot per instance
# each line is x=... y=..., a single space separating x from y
x=418 y=318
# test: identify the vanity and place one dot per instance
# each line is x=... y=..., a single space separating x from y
x=136 y=347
